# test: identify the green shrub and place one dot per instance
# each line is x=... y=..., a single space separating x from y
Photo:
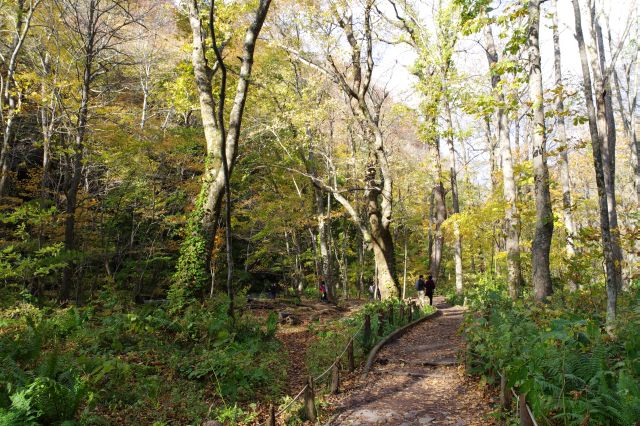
x=45 y=401
x=559 y=354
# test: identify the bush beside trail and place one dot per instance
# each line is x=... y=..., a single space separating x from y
x=559 y=354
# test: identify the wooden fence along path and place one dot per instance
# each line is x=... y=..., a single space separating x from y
x=308 y=395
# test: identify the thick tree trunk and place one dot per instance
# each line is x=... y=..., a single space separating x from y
x=213 y=186
x=203 y=75
x=541 y=246
x=596 y=144
x=6 y=147
x=512 y=221
x=381 y=240
x=565 y=178
x=453 y=175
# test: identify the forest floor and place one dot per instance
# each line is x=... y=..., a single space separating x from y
x=417 y=380
x=295 y=334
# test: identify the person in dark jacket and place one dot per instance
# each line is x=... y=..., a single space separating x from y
x=430 y=287
x=421 y=287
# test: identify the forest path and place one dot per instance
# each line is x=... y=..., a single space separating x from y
x=296 y=336
x=416 y=380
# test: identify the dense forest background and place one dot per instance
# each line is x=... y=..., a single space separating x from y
x=187 y=156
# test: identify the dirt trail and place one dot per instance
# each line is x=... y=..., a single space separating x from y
x=416 y=381
x=296 y=336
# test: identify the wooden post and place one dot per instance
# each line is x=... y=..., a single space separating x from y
x=390 y=314
x=309 y=402
x=367 y=331
x=505 y=394
x=272 y=416
x=525 y=418
x=380 y=324
x=335 y=378
x=350 y=357
x=401 y=313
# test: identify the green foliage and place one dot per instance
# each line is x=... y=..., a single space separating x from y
x=25 y=260
x=571 y=370
x=47 y=401
x=190 y=276
x=140 y=361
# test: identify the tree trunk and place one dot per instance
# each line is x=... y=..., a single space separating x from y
x=213 y=186
x=541 y=245
x=404 y=270
x=323 y=238
x=73 y=176
x=596 y=144
x=492 y=153
x=628 y=121
x=606 y=138
x=455 y=201
x=381 y=241
x=512 y=221
x=440 y=214
x=565 y=178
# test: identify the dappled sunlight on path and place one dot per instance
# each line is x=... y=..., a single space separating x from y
x=416 y=380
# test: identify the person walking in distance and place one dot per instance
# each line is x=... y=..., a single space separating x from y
x=323 y=292
x=421 y=287
x=430 y=287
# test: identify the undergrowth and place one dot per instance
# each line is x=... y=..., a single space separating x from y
x=113 y=363
x=559 y=353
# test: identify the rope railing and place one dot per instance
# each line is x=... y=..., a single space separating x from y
x=529 y=412
x=340 y=356
x=316 y=379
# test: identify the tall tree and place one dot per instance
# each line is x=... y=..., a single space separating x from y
x=606 y=129
x=435 y=70
x=354 y=79
x=98 y=27
x=512 y=221
x=596 y=147
x=541 y=247
x=195 y=254
x=453 y=175
x=565 y=179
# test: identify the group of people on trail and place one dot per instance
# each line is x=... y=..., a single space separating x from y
x=425 y=288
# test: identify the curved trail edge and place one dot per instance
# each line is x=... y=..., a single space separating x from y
x=392 y=337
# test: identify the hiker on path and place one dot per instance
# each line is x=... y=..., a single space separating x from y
x=430 y=287
x=273 y=290
x=421 y=286
x=323 y=292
